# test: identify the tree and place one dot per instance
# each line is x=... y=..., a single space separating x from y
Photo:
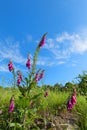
x=82 y=85
x=69 y=86
x=57 y=87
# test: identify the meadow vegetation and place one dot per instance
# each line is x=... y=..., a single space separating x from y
x=27 y=106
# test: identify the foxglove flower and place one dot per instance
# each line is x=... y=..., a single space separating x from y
x=46 y=94
x=19 y=77
x=69 y=105
x=18 y=81
x=73 y=99
x=10 y=66
x=41 y=75
x=37 y=75
x=12 y=105
x=42 y=40
x=28 y=62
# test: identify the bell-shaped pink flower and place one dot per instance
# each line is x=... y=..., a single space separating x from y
x=69 y=105
x=28 y=62
x=37 y=75
x=10 y=66
x=73 y=99
x=41 y=75
x=46 y=94
x=19 y=79
x=42 y=40
x=12 y=105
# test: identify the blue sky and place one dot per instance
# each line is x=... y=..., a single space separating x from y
x=22 y=24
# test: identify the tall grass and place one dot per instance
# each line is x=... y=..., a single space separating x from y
x=6 y=93
x=81 y=109
x=54 y=103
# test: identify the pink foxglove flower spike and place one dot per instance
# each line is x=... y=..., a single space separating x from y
x=42 y=40
x=19 y=77
x=12 y=105
x=28 y=62
x=46 y=94
x=41 y=75
x=10 y=66
x=72 y=101
x=69 y=105
x=37 y=75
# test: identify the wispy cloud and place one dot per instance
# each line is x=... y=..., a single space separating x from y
x=65 y=45
x=66 y=36
x=79 y=46
x=61 y=62
x=59 y=50
x=3 y=68
x=10 y=49
x=70 y=44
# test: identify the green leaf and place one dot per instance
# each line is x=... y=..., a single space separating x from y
x=22 y=90
x=15 y=124
x=18 y=125
x=36 y=96
x=12 y=124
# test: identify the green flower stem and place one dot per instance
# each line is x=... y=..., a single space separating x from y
x=14 y=77
x=24 y=118
x=34 y=64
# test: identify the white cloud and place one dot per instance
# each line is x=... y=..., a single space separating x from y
x=41 y=62
x=51 y=44
x=59 y=49
x=65 y=45
x=3 y=68
x=70 y=44
x=61 y=62
x=77 y=43
x=66 y=36
x=79 y=46
x=10 y=50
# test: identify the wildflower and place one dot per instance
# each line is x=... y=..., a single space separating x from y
x=37 y=75
x=19 y=77
x=41 y=75
x=10 y=66
x=73 y=99
x=42 y=40
x=46 y=94
x=69 y=105
x=28 y=62
x=12 y=105
x=18 y=81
